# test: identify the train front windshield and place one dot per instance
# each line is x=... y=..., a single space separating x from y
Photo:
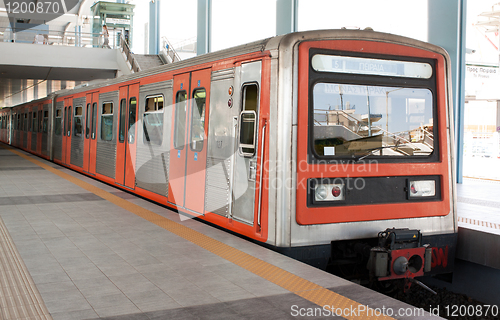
x=360 y=108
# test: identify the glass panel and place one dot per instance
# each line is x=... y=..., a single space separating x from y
x=89 y=120
x=247 y=132
x=40 y=121
x=35 y=122
x=107 y=122
x=94 y=119
x=180 y=120
x=131 y=119
x=58 y=123
x=250 y=97
x=360 y=120
x=153 y=120
x=198 y=120
x=392 y=68
x=29 y=121
x=46 y=122
x=68 y=127
x=123 y=114
x=78 y=121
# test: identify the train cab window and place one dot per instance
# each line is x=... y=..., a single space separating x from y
x=45 y=122
x=94 y=119
x=180 y=120
x=34 y=126
x=198 y=120
x=132 y=115
x=58 y=123
x=153 y=120
x=123 y=114
x=248 y=120
x=107 y=121
x=78 y=121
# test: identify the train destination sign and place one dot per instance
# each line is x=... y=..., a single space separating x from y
x=392 y=68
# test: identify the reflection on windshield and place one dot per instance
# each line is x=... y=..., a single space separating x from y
x=356 y=120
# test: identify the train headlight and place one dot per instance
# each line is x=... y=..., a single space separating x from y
x=422 y=188
x=329 y=192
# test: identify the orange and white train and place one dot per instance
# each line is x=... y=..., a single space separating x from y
x=330 y=146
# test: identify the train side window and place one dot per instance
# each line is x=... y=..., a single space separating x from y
x=153 y=120
x=58 y=123
x=180 y=120
x=248 y=119
x=198 y=120
x=94 y=119
x=78 y=121
x=26 y=123
x=88 y=120
x=123 y=114
x=45 y=121
x=107 y=121
x=34 y=126
x=68 y=124
x=132 y=112
x=30 y=117
x=40 y=120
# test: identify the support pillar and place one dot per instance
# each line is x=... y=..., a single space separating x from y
x=286 y=16
x=154 y=27
x=446 y=28
x=204 y=29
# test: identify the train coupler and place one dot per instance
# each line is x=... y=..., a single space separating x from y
x=399 y=255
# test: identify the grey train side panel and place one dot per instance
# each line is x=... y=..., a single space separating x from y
x=58 y=138
x=152 y=161
x=106 y=150
x=220 y=144
x=77 y=141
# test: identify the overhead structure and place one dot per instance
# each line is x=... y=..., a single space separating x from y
x=204 y=29
x=116 y=16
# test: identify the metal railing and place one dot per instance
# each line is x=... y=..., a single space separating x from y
x=59 y=38
x=134 y=66
x=168 y=53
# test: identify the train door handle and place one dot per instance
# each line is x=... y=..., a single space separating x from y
x=252 y=174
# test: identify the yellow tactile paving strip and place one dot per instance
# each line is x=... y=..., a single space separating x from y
x=19 y=297
x=295 y=284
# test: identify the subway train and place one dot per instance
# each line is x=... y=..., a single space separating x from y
x=334 y=147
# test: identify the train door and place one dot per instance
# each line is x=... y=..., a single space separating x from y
x=246 y=145
x=189 y=152
x=90 y=142
x=127 y=132
x=67 y=120
x=40 y=129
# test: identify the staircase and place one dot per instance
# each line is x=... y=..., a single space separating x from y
x=148 y=61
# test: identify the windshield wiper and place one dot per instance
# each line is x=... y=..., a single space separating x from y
x=369 y=152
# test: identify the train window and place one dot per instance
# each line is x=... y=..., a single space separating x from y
x=131 y=119
x=68 y=121
x=123 y=115
x=30 y=117
x=361 y=120
x=58 y=123
x=180 y=120
x=153 y=120
x=198 y=120
x=88 y=121
x=45 y=121
x=40 y=121
x=247 y=133
x=78 y=121
x=94 y=119
x=107 y=121
x=25 y=122
x=248 y=119
x=34 y=126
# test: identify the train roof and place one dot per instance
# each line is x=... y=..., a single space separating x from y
x=273 y=45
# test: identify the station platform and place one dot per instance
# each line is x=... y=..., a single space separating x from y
x=74 y=248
